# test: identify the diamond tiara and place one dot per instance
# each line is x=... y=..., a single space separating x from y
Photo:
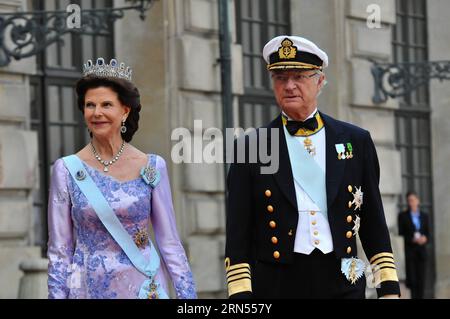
x=113 y=69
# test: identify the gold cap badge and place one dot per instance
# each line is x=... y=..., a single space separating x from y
x=287 y=51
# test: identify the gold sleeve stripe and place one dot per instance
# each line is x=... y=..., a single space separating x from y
x=237 y=277
x=381 y=255
x=385 y=264
x=239 y=269
x=242 y=285
x=387 y=274
x=237 y=266
x=386 y=267
x=237 y=272
x=382 y=260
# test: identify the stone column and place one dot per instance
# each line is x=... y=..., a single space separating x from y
x=18 y=169
x=33 y=284
x=439 y=48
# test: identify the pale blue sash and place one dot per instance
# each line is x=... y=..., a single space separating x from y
x=109 y=219
x=307 y=173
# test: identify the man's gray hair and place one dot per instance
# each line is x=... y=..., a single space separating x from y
x=325 y=82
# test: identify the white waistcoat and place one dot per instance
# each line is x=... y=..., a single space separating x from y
x=313 y=229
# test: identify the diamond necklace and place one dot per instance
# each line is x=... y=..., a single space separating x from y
x=107 y=164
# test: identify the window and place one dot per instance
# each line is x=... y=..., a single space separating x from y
x=258 y=21
x=54 y=114
x=413 y=117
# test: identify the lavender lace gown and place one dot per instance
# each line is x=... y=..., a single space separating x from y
x=86 y=262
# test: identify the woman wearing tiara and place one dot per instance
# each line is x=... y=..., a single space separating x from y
x=103 y=199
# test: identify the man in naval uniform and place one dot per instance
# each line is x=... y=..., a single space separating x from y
x=292 y=234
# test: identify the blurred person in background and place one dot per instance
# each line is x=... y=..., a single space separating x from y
x=414 y=226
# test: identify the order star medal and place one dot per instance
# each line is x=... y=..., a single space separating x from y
x=358 y=198
x=352 y=274
x=353 y=269
x=309 y=146
x=357 y=225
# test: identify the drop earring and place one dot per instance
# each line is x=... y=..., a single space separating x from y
x=123 y=128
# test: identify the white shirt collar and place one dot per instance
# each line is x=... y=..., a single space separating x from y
x=310 y=116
